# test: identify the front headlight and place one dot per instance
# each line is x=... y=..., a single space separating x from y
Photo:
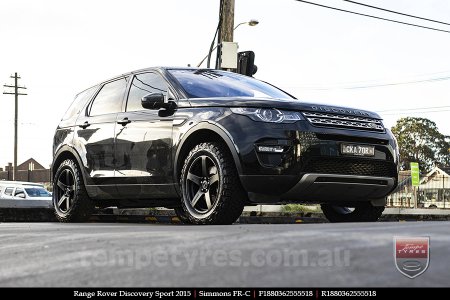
x=270 y=115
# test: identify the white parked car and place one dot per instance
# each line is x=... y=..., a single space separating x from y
x=35 y=194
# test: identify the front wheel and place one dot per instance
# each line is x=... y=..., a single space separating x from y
x=211 y=191
x=70 y=200
x=365 y=212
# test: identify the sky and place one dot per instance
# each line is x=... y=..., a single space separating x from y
x=59 y=48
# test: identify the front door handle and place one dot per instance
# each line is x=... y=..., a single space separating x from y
x=124 y=121
x=84 y=125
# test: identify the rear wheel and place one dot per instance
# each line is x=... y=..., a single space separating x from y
x=365 y=212
x=70 y=200
x=211 y=191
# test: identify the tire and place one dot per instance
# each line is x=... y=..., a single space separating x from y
x=181 y=215
x=365 y=212
x=211 y=191
x=70 y=200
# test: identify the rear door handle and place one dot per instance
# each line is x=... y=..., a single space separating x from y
x=84 y=125
x=124 y=121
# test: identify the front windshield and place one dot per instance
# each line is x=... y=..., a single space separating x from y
x=207 y=83
x=37 y=192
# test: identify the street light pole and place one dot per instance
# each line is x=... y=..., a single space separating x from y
x=250 y=23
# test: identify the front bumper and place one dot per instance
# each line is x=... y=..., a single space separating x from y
x=317 y=188
x=299 y=162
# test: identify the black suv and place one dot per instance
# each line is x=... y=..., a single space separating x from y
x=208 y=142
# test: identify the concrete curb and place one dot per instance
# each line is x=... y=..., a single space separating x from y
x=164 y=216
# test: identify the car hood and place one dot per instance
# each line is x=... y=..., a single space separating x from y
x=288 y=104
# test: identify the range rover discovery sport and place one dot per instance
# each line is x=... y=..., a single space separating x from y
x=207 y=143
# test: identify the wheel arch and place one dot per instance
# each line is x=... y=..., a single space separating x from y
x=204 y=132
x=64 y=153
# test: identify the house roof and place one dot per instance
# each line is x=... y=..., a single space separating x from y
x=446 y=170
x=31 y=161
x=407 y=181
x=438 y=171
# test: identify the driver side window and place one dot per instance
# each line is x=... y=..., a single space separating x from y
x=19 y=193
x=144 y=84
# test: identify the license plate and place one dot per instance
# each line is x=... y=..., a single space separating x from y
x=358 y=150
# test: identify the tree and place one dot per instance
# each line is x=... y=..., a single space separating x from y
x=419 y=140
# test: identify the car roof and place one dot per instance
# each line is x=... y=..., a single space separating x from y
x=150 y=69
x=144 y=70
x=19 y=183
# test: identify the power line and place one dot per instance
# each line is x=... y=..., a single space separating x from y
x=415 y=112
x=375 y=85
x=374 y=17
x=374 y=82
x=418 y=108
x=398 y=83
x=396 y=12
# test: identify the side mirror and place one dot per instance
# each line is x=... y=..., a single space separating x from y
x=156 y=101
x=21 y=195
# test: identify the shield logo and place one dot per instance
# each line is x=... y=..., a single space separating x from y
x=412 y=255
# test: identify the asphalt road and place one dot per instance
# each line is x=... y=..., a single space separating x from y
x=149 y=255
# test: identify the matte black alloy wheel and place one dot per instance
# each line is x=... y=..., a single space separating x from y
x=202 y=184
x=65 y=189
x=212 y=193
x=70 y=200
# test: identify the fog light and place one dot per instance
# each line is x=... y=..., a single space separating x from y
x=271 y=149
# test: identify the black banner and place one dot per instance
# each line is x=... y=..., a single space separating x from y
x=214 y=293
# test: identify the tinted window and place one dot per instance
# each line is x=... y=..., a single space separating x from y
x=79 y=102
x=37 y=192
x=109 y=99
x=8 y=191
x=144 y=84
x=214 y=83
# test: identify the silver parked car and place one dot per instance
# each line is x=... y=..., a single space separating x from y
x=32 y=195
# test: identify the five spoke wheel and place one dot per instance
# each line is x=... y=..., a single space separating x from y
x=70 y=200
x=211 y=191
x=65 y=188
x=202 y=184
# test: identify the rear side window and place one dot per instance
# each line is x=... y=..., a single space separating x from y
x=79 y=102
x=109 y=99
x=144 y=84
x=9 y=191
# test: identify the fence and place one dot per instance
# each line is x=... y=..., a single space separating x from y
x=433 y=192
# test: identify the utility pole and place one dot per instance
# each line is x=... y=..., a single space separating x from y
x=16 y=112
x=227 y=26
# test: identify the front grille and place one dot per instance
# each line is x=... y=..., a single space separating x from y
x=341 y=121
x=360 y=167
